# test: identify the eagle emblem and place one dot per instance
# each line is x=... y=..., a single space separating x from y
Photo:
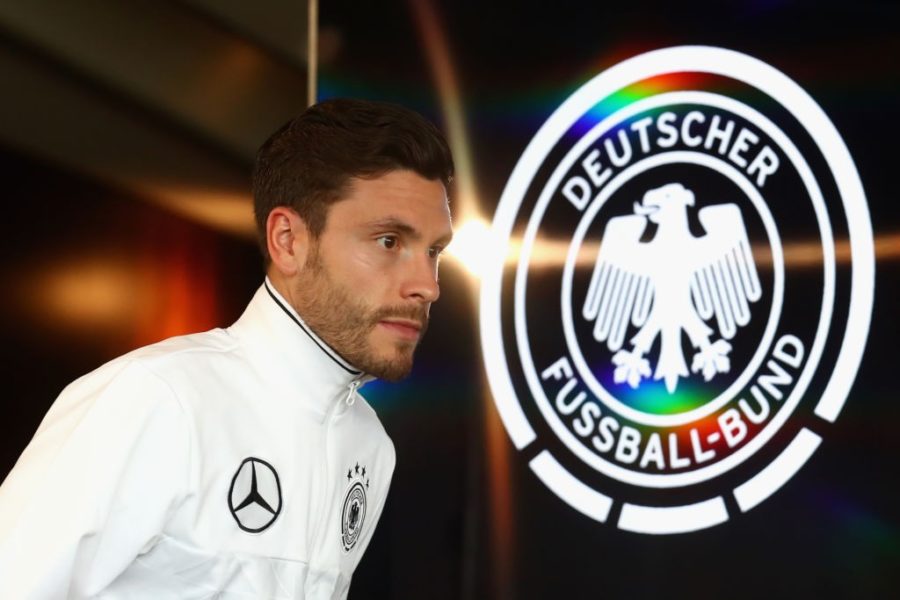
x=674 y=283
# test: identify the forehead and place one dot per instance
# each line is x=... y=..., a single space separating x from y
x=404 y=195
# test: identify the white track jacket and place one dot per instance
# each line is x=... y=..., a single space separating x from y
x=238 y=463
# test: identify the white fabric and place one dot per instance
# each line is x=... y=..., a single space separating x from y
x=124 y=492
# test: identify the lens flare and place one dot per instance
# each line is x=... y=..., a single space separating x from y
x=474 y=245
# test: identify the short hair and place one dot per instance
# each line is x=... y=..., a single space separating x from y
x=308 y=163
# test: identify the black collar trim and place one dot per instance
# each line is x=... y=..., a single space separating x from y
x=331 y=354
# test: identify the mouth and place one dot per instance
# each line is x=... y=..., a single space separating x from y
x=404 y=328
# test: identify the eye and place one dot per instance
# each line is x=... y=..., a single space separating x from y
x=435 y=251
x=388 y=242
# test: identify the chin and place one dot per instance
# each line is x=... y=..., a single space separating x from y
x=393 y=372
x=393 y=367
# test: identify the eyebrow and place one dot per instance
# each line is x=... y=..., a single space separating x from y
x=401 y=226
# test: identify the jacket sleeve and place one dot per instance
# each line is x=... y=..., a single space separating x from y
x=94 y=486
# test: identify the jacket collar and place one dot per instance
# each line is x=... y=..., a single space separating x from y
x=285 y=349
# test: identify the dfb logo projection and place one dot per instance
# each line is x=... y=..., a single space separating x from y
x=687 y=294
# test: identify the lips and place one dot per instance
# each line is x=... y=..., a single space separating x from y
x=405 y=328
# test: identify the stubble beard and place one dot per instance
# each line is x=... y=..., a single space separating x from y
x=345 y=323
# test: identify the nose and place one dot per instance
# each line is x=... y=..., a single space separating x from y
x=420 y=281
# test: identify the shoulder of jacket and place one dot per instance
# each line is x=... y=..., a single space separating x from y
x=214 y=341
x=153 y=362
x=177 y=353
x=119 y=390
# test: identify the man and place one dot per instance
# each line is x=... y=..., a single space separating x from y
x=241 y=462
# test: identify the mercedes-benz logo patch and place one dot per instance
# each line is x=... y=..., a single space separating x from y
x=255 y=496
x=354 y=512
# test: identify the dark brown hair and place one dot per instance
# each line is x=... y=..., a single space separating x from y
x=308 y=162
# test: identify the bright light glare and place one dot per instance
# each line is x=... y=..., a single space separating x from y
x=475 y=246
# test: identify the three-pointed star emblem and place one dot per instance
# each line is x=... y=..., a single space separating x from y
x=255 y=495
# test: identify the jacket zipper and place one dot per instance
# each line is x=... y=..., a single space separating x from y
x=351 y=397
x=329 y=418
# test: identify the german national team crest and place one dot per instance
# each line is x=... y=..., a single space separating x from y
x=687 y=294
x=353 y=513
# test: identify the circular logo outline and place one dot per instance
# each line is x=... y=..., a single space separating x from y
x=757 y=74
x=253 y=491
x=350 y=533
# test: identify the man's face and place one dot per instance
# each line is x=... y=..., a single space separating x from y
x=371 y=275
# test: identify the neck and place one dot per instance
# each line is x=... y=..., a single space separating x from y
x=295 y=316
x=280 y=284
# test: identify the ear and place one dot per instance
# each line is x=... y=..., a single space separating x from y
x=287 y=239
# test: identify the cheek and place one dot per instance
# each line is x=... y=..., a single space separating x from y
x=368 y=278
x=377 y=266
x=367 y=259
x=364 y=270
x=351 y=262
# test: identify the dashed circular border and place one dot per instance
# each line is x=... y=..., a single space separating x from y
x=753 y=72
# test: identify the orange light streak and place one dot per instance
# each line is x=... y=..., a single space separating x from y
x=552 y=253
x=501 y=507
x=437 y=51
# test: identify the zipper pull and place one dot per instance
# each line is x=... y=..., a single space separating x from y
x=351 y=397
